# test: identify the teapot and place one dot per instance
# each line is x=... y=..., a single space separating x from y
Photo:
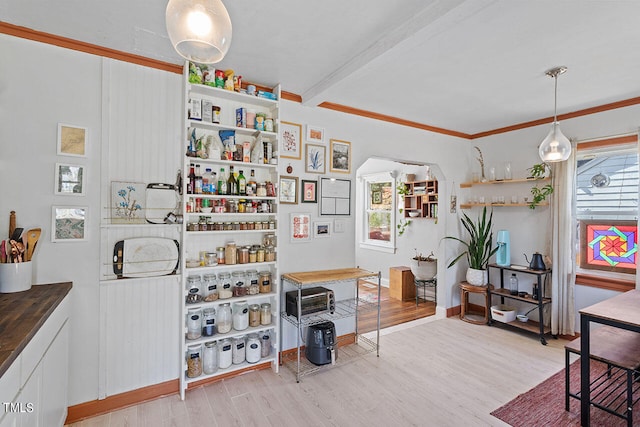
x=536 y=262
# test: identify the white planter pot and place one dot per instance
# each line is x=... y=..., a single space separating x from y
x=477 y=277
x=424 y=270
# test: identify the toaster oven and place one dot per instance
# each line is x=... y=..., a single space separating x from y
x=312 y=300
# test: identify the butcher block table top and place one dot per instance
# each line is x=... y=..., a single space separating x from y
x=21 y=316
x=322 y=276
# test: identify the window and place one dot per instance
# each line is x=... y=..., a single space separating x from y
x=607 y=212
x=379 y=220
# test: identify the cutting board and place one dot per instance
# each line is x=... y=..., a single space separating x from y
x=161 y=199
x=145 y=257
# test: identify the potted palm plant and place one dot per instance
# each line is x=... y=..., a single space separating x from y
x=479 y=247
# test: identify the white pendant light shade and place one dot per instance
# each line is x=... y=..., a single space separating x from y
x=200 y=30
x=555 y=147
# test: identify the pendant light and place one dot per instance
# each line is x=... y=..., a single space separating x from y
x=555 y=147
x=200 y=30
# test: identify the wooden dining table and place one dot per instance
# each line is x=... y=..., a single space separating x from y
x=621 y=311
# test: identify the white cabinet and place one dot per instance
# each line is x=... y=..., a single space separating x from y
x=247 y=220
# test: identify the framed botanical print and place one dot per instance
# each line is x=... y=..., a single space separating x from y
x=290 y=140
x=72 y=140
x=288 y=190
x=315 y=158
x=340 y=156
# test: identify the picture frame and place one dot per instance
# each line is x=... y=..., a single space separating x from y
x=69 y=180
x=315 y=134
x=288 y=190
x=128 y=202
x=69 y=223
x=72 y=140
x=315 y=158
x=300 y=227
x=309 y=191
x=335 y=196
x=290 y=140
x=321 y=229
x=340 y=156
x=600 y=243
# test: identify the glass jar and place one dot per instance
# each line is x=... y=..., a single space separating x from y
x=194 y=293
x=261 y=190
x=225 y=288
x=253 y=255
x=253 y=348
x=210 y=358
x=239 y=284
x=241 y=315
x=224 y=318
x=194 y=323
x=225 y=353
x=265 y=339
x=264 y=281
x=236 y=225
x=254 y=315
x=220 y=252
x=209 y=322
x=257 y=225
x=239 y=350
x=268 y=239
x=243 y=255
x=210 y=285
x=218 y=226
x=230 y=253
x=272 y=225
x=265 y=313
x=244 y=225
x=194 y=361
x=210 y=259
x=252 y=282
x=270 y=254
x=227 y=226
x=260 y=254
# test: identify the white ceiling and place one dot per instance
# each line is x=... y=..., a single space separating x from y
x=464 y=65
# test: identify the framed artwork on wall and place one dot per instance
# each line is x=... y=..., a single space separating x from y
x=127 y=202
x=321 y=229
x=309 y=191
x=289 y=190
x=290 y=140
x=315 y=156
x=300 y=227
x=335 y=196
x=69 y=180
x=72 y=140
x=315 y=134
x=68 y=224
x=340 y=156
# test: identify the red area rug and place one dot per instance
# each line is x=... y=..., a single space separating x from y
x=543 y=405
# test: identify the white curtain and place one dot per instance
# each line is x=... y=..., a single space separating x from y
x=563 y=227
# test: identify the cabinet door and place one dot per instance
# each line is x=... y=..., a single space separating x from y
x=10 y=420
x=53 y=406
x=30 y=399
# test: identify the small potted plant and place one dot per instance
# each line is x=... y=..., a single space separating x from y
x=538 y=171
x=424 y=267
x=480 y=247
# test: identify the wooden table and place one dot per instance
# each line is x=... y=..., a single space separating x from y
x=621 y=311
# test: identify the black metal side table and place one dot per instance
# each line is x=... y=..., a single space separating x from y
x=426 y=284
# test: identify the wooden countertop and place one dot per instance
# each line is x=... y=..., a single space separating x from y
x=622 y=308
x=21 y=316
x=323 y=276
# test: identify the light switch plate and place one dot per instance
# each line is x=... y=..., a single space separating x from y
x=338 y=226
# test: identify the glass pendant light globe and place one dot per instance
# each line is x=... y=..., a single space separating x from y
x=200 y=30
x=555 y=147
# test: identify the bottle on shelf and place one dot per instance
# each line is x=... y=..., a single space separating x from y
x=232 y=183
x=198 y=186
x=252 y=185
x=513 y=284
x=206 y=181
x=191 y=189
x=242 y=184
x=212 y=183
x=222 y=183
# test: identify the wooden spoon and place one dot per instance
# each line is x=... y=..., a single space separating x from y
x=32 y=239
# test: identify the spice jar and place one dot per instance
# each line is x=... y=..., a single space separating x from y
x=265 y=313
x=194 y=361
x=194 y=323
x=239 y=285
x=210 y=358
x=225 y=353
x=260 y=254
x=225 y=288
x=230 y=253
x=252 y=281
x=224 y=318
x=254 y=315
x=264 y=281
x=220 y=254
x=243 y=255
x=210 y=285
x=194 y=294
x=265 y=344
x=253 y=255
x=239 y=351
x=241 y=316
x=253 y=348
x=209 y=322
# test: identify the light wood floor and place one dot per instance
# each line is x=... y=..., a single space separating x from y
x=442 y=373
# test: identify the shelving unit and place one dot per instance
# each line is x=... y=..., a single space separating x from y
x=196 y=242
x=346 y=308
x=422 y=197
x=500 y=183
x=501 y=292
